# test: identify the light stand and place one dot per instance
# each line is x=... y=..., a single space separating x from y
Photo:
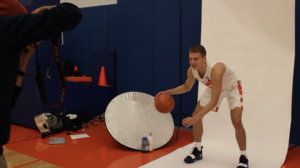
x=180 y=54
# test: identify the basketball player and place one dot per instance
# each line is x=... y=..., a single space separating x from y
x=221 y=82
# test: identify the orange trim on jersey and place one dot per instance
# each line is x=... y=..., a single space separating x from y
x=241 y=99
x=208 y=84
x=240 y=87
x=217 y=108
x=239 y=82
x=240 y=90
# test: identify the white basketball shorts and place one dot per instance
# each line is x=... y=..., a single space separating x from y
x=234 y=97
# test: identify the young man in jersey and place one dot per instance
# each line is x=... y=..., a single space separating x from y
x=221 y=82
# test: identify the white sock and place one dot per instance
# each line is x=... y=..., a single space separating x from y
x=244 y=152
x=198 y=145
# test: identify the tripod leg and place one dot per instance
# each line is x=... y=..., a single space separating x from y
x=176 y=115
x=179 y=124
x=184 y=115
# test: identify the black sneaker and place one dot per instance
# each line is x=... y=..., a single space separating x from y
x=195 y=155
x=244 y=163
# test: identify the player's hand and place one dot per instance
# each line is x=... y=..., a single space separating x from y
x=189 y=121
x=162 y=92
x=41 y=9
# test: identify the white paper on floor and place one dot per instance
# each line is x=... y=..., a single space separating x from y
x=77 y=136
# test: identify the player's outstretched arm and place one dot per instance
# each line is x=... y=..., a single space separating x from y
x=187 y=86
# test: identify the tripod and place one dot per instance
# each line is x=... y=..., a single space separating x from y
x=179 y=113
x=180 y=54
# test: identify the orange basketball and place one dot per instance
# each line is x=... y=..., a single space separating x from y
x=164 y=103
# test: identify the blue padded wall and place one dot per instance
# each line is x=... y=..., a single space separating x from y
x=140 y=46
x=166 y=48
x=112 y=27
x=135 y=45
x=97 y=30
x=97 y=26
x=122 y=52
x=191 y=28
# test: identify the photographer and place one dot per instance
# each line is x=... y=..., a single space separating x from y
x=18 y=32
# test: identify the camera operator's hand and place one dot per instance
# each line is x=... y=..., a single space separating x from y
x=26 y=53
x=41 y=9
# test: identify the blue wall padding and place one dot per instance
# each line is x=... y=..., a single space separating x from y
x=122 y=65
x=92 y=33
x=295 y=127
x=140 y=46
x=27 y=105
x=93 y=99
x=166 y=44
x=135 y=45
x=104 y=58
x=191 y=28
x=112 y=30
x=98 y=26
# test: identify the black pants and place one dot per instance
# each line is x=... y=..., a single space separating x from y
x=9 y=65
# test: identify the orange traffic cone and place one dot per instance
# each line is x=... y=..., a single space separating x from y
x=102 y=78
x=75 y=68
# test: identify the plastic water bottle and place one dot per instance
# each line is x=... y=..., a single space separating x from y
x=150 y=139
x=83 y=125
x=145 y=145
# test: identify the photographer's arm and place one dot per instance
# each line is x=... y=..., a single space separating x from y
x=26 y=53
x=186 y=87
x=18 y=31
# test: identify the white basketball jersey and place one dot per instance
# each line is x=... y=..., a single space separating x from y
x=229 y=77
